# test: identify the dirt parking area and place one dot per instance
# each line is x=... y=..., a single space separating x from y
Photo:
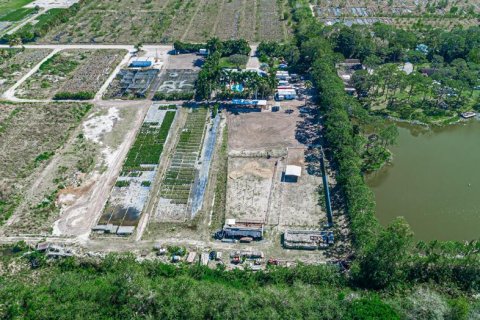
x=257 y=131
x=184 y=61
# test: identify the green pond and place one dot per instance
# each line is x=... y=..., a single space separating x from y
x=434 y=182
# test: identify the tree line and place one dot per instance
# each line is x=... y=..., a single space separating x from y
x=384 y=257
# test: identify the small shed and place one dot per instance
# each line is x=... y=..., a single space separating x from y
x=292 y=173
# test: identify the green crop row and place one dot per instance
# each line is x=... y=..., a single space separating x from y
x=148 y=144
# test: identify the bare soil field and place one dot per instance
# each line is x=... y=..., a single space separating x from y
x=185 y=62
x=15 y=63
x=127 y=21
x=44 y=130
x=261 y=145
x=296 y=204
x=248 y=188
x=71 y=71
x=262 y=131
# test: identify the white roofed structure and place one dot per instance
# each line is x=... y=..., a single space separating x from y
x=295 y=171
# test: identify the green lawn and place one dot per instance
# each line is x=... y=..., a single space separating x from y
x=17 y=15
x=8 y=6
x=226 y=63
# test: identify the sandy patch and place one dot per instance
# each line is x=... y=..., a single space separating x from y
x=97 y=126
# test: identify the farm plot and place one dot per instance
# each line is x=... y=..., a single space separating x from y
x=71 y=74
x=204 y=22
x=122 y=21
x=132 y=188
x=14 y=63
x=131 y=83
x=253 y=20
x=269 y=20
x=182 y=21
x=182 y=169
x=42 y=129
x=367 y=12
x=230 y=20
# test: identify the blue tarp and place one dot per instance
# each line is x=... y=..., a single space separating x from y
x=140 y=64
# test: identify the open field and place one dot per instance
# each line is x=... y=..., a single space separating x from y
x=116 y=22
x=43 y=130
x=17 y=15
x=261 y=145
x=262 y=131
x=168 y=20
x=71 y=72
x=110 y=130
x=9 y=6
x=17 y=63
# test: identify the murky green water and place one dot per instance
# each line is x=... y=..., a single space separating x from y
x=434 y=182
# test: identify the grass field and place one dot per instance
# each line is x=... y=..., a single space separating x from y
x=17 y=15
x=41 y=129
x=156 y=21
x=9 y=6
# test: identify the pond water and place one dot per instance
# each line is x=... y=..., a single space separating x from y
x=434 y=182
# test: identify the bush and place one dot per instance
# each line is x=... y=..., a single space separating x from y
x=122 y=183
x=82 y=95
x=173 y=96
x=183 y=47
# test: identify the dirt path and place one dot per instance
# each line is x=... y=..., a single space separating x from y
x=253 y=62
x=78 y=219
